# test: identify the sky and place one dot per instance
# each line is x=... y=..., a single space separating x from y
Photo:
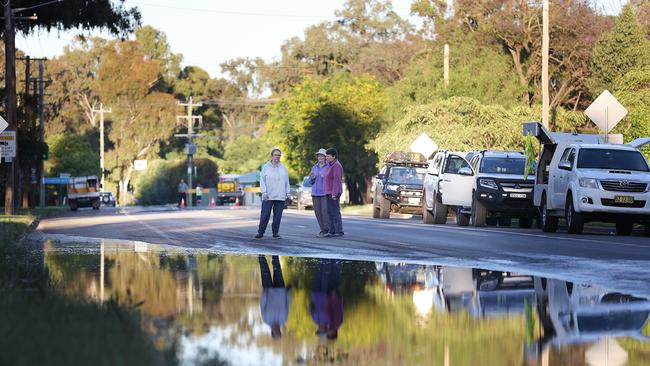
x=210 y=32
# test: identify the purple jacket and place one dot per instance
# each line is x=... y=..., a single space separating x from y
x=334 y=179
x=318 y=184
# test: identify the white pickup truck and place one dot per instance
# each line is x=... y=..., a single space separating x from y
x=582 y=179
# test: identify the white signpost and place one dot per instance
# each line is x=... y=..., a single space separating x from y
x=424 y=145
x=3 y=124
x=606 y=112
x=8 y=145
x=140 y=165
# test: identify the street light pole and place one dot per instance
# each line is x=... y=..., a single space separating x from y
x=10 y=101
x=545 y=47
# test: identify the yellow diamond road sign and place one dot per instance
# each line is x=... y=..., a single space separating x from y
x=606 y=112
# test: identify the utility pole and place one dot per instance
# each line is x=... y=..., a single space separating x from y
x=10 y=101
x=446 y=65
x=101 y=112
x=41 y=127
x=190 y=148
x=545 y=83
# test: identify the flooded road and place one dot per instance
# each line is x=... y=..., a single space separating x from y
x=196 y=306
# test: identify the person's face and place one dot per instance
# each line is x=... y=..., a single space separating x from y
x=321 y=158
x=275 y=157
x=329 y=158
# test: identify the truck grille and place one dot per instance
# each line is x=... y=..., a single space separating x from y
x=623 y=186
x=611 y=203
x=517 y=186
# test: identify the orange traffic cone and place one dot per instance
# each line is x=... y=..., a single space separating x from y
x=212 y=203
x=237 y=202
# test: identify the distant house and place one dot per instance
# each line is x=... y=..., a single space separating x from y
x=250 y=183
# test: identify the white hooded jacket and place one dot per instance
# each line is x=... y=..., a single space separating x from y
x=274 y=181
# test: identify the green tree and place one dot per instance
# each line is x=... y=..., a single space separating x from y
x=341 y=111
x=619 y=51
x=245 y=154
x=71 y=154
x=154 y=45
x=633 y=91
x=141 y=118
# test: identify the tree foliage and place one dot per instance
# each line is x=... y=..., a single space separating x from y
x=463 y=124
x=619 y=51
x=71 y=154
x=633 y=91
x=342 y=112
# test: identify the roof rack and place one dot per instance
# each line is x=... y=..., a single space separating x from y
x=403 y=157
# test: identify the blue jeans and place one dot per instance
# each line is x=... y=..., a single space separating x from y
x=277 y=207
x=334 y=212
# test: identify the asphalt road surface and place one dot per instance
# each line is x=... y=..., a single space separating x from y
x=619 y=263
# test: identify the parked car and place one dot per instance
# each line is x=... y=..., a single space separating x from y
x=107 y=199
x=582 y=179
x=304 y=199
x=292 y=199
x=447 y=184
x=500 y=189
x=398 y=186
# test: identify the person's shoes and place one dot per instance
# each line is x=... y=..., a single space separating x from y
x=259 y=236
x=337 y=235
x=321 y=234
x=328 y=235
x=277 y=236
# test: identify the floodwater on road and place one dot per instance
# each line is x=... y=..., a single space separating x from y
x=194 y=307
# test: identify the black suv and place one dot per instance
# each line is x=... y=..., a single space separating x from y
x=501 y=192
x=398 y=186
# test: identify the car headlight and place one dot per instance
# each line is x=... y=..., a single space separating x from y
x=588 y=183
x=488 y=183
x=392 y=187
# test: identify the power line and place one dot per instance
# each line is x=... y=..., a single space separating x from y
x=228 y=12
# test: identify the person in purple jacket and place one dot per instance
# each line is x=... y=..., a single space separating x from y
x=319 y=199
x=333 y=190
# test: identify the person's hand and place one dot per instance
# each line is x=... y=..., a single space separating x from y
x=312 y=176
x=337 y=198
x=265 y=196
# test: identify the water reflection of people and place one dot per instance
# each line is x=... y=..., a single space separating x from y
x=275 y=299
x=326 y=307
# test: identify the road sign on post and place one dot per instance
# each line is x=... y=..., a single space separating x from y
x=424 y=145
x=606 y=112
x=3 y=124
x=8 y=145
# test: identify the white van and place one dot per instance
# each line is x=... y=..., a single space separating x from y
x=583 y=179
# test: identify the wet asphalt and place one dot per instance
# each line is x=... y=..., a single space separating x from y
x=620 y=263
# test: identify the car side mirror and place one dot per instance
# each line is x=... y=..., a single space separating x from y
x=465 y=171
x=564 y=165
x=380 y=176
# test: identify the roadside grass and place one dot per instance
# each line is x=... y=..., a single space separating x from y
x=365 y=210
x=12 y=229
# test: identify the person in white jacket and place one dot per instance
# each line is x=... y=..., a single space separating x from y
x=276 y=296
x=274 y=186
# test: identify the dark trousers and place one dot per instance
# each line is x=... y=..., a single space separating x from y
x=267 y=207
x=320 y=209
x=328 y=275
x=267 y=281
x=181 y=196
x=334 y=212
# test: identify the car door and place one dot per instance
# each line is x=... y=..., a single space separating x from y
x=457 y=181
x=431 y=179
x=379 y=181
x=561 y=180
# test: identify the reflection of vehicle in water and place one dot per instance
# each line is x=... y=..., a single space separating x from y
x=480 y=292
x=574 y=312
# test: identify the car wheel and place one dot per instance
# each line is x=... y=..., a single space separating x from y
x=479 y=213
x=461 y=218
x=384 y=208
x=574 y=220
x=624 y=228
x=375 y=208
x=549 y=223
x=525 y=222
x=427 y=216
x=439 y=212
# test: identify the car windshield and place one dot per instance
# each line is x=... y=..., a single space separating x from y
x=407 y=175
x=503 y=165
x=612 y=159
x=306 y=183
